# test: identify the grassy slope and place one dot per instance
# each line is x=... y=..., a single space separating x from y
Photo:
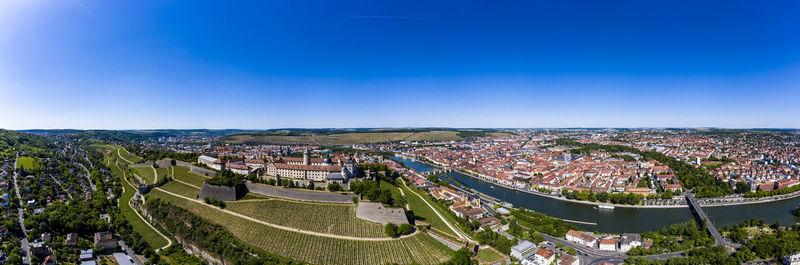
x=146 y=173
x=422 y=210
x=183 y=174
x=182 y=189
x=149 y=235
x=129 y=156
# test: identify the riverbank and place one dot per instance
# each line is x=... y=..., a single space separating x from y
x=490 y=180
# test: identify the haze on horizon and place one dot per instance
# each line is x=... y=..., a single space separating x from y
x=89 y=64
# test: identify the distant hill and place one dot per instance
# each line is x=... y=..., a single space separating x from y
x=353 y=136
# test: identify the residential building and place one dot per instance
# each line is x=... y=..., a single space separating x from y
x=582 y=238
x=607 y=244
x=86 y=255
x=522 y=250
x=793 y=259
x=565 y=259
x=629 y=241
x=104 y=240
x=544 y=256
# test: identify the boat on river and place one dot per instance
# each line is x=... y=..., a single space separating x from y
x=605 y=206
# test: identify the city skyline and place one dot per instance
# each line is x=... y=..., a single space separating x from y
x=179 y=65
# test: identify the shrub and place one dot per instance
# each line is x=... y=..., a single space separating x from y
x=391 y=230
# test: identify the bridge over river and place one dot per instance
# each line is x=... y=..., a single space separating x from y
x=701 y=215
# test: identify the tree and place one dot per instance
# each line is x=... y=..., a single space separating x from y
x=571 y=251
x=742 y=187
x=391 y=230
x=405 y=229
x=462 y=257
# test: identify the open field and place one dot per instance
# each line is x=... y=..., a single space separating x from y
x=183 y=174
x=419 y=248
x=323 y=137
x=434 y=136
x=29 y=163
x=421 y=209
x=151 y=236
x=329 y=218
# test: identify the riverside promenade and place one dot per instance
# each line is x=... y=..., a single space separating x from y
x=680 y=203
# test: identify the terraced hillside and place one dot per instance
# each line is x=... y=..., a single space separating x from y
x=119 y=168
x=330 y=218
x=419 y=248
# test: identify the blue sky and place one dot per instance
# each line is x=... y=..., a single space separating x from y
x=277 y=64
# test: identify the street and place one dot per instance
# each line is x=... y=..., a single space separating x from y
x=25 y=247
x=129 y=252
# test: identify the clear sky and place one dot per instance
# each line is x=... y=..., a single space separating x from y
x=277 y=64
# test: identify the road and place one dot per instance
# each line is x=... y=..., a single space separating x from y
x=61 y=186
x=88 y=175
x=595 y=256
x=130 y=253
x=25 y=247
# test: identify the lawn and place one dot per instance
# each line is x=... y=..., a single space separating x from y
x=28 y=163
x=420 y=248
x=488 y=255
x=154 y=239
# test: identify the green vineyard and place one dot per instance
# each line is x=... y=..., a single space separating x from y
x=338 y=219
x=419 y=248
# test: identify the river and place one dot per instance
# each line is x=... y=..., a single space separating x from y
x=621 y=220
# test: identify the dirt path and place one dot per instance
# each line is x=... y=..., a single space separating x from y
x=404 y=194
x=120 y=156
x=169 y=241
x=155 y=173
